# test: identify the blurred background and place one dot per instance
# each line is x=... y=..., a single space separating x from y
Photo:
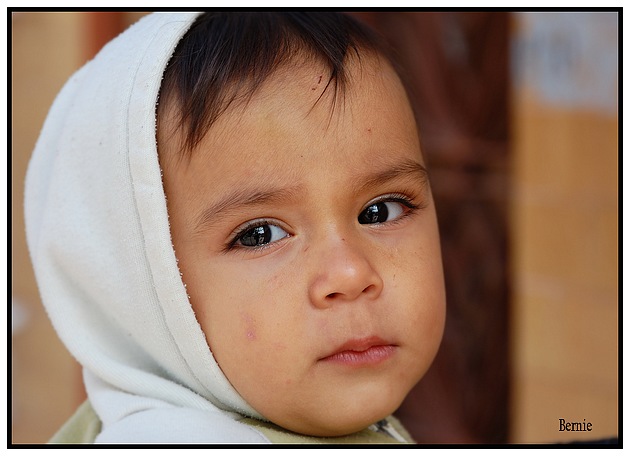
x=519 y=124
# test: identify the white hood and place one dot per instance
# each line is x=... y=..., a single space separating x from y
x=98 y=233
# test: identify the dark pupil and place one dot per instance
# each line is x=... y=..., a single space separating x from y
x=376 y=213
x=256 y=236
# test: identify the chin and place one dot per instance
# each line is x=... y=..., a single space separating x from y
x=348 y=418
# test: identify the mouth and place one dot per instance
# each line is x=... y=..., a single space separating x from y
x=367 y=351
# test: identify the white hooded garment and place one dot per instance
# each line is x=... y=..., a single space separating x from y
x=99 y=239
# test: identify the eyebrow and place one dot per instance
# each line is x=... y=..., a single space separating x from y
x=241 y=198
x=410 y=169
x=249 y=197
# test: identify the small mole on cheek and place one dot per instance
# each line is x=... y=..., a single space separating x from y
x=369 y=130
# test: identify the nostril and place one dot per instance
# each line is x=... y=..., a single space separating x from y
x=368 y=289
x=336 y=295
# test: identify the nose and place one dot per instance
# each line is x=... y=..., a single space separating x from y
x=343 y=273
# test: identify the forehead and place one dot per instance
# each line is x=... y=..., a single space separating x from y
x=296 y=103
x=294 y=126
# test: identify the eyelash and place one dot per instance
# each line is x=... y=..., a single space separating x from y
x=399 y=198
x=232 y=244
x=396 y=198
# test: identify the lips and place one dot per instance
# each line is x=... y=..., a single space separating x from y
x=361 y=352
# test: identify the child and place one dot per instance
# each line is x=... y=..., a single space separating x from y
x=256 y=259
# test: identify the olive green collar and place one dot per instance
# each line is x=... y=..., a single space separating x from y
x=387 y=431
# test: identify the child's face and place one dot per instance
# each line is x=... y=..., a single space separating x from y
x=309 y=245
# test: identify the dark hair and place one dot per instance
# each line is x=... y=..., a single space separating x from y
x=226 y=56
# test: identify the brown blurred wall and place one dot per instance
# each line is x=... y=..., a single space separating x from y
x=564 y=223
x=45 y=380
x=46 y=49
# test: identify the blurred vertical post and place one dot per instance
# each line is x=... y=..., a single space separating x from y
x=456 y=66
x=101 y=27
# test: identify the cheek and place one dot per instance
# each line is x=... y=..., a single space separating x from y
x=222 y=306
x=418 y=275
x=250 y=316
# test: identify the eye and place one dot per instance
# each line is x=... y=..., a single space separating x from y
x=260 y=235
x=382 y=211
